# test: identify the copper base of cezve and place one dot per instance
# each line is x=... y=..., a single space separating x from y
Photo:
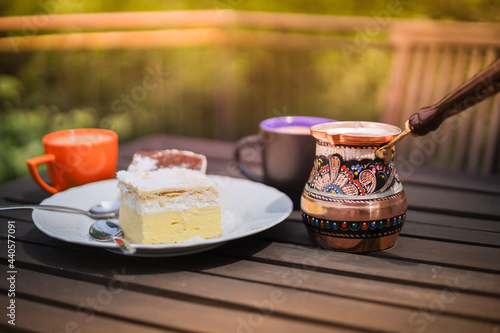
x=353 y=245
x=355 y=211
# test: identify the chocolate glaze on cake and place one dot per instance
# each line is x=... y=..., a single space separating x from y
x=159 y=159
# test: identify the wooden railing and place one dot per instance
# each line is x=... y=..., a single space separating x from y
x=114 y=30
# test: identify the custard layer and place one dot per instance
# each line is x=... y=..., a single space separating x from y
x=170 y=226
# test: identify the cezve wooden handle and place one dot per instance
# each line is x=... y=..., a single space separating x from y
x=481 y=86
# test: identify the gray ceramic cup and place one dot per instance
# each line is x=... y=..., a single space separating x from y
x=287 y=151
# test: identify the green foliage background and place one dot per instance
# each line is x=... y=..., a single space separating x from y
x=41 y=92
x=463 y=10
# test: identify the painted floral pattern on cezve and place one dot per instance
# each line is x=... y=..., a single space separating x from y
x=333 y=175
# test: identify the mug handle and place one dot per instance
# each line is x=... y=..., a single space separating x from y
x=242 y=144
x=33 y=164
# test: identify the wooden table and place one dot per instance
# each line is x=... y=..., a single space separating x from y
x=443 y=275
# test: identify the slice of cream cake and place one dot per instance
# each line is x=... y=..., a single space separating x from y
x=168 y=205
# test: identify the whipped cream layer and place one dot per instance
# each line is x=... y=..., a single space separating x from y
x=170 y=189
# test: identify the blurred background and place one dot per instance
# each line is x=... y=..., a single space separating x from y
x=211 y=69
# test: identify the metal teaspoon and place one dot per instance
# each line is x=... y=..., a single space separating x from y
x=102 y=210
x=105 y=231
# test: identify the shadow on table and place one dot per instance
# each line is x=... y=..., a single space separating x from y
x=49 y=254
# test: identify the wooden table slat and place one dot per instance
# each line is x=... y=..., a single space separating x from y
x=483 y=309
x=384 y=269
x=453 y=222
x=451 y=201
x=418 y=260
x=158 y=281
x=35 y=316
x=463 y=252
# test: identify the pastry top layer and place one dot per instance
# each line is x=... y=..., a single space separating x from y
x=170 y=189
x=157 y=159
x=173 y=179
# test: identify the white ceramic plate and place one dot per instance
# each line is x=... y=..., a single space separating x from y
x=247 y=208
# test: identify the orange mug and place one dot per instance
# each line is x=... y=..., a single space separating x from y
x=75 y=157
